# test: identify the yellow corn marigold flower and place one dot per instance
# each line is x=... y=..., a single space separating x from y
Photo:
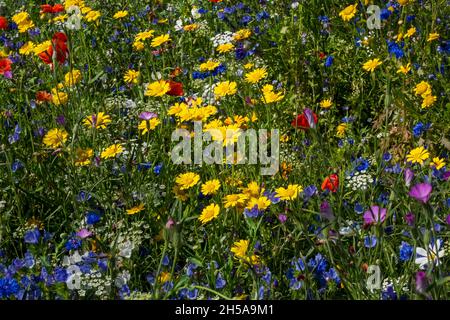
x=131 y=76
x=233 y=200
x=59 y=97
x=428 y=101
x=438 y=163
x=177 y=108
x=289 y=193
x=209 y=65
x=187 y=180
x=136 y=209
x=418 y=155
x=156 y=42
x=97 y=121
x=179 y=194
x=157 y=88
x=371 y=65
x=210 y=187
x=164 y=277
x=138 y=45
x=248 y=66
x=252 y=189
x=270 y=96
x=225 y=88
x=403 y=2
x=41 y=47
x=262 y=203
x=326 y=104
x=209 y=213
x=256 y=75
x=112 y=151
x=120 y=14
x=148 y=125
x=93 y=16
x=422 y=89
x=340 y=130
x=349 y=12
x=73 y=77
x=433 y=36
x=242 y=34
x=78 y=3
x=55 y=138
x=83 y=157
x=190 y=27
x=225 y=47
x=27 y=48
x=240 y=248
x=144 y=35
x=23 y=21
x=404 y=69
x=411 y=31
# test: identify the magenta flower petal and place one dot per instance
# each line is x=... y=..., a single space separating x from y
x=374 y=215
x=421 y=192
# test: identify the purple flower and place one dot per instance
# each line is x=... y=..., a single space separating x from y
x=421 y=192
x=326 y=211
x=61 y=120
x=170 y=223
x=410 y=218
x=448 y=220
x=84 y=233
x=421 y=282
x=374 y=215
x=409 y=175
x=282 y=218
x=147 y=115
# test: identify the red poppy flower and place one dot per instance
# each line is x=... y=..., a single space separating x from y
x=47 y=8
x=59 y=42
x=43 y=96
x=5 y=65
x=302 y=122
x=176 y=88
x=3 y=23
x=331 y=183
x=322 y=55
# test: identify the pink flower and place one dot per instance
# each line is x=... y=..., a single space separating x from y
x=374 y=215
x=147 y=115
x=421 y=192
x=84 y=233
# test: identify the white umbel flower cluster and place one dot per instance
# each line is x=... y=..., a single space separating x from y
x=359 y=181
x=222 y=38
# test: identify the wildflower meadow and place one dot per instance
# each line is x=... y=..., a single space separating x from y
x=218 y=149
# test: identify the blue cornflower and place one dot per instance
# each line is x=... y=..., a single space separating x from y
x=190 y=269
x=32 y=236
x=220 y=281
x=92 y=218
x=253 y=212
x=370 y=241
x=16 y=135
x=406 y=251
x=8 y=287
x=329 y=61
x=73 y=243
x=157 y=168
x=395 y=49
x=165 y=261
